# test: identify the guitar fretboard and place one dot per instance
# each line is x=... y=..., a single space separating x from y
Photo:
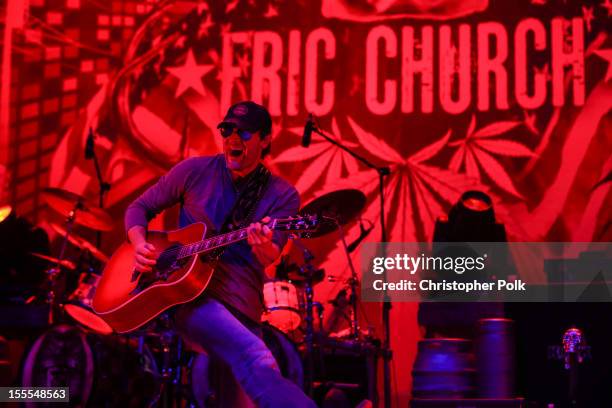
x=218 y=241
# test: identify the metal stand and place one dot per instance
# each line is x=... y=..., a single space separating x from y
x=53 y=272
x=104 y=187
x=172 y=392
x=353 y=282
x=308 y=271
x=386 y=307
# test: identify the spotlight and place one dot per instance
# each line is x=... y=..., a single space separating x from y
x=471 y=219
x=5 y=212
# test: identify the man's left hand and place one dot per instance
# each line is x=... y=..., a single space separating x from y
x=259 y=236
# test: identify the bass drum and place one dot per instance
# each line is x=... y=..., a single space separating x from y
x=282 y=305
x=100 y=371
x=78 y=305
x=284 y=350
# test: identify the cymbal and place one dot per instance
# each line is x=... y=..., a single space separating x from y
x=81 y=243
x=64 y=262
x=64 y=202
x=342 y=205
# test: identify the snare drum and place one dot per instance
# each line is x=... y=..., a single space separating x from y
x=78 y=305
x=282 y=303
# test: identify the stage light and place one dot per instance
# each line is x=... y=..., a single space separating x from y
x=5 y=212
x=471 y=219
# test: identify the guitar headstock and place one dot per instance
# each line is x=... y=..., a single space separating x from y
x=299 y=223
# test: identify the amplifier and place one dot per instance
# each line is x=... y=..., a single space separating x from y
x=469 y=403
x=345 y=370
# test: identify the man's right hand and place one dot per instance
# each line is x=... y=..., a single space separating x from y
x=144 y=253
x=144 y=257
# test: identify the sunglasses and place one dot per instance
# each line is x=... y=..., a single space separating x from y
x=227 y=130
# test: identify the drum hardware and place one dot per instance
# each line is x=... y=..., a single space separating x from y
x=172 y=363
x=81 y=243
x=78 y=304
x=104 y=187
x=353 y=281
x=341 y=207
x=307 y=270
x=77 y=211
x=386 y=308
x=320 y=309
x=70 y=205
x=349 y=366
x=64 y=263
x=336 y=208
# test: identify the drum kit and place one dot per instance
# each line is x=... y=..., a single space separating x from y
x=152 y=366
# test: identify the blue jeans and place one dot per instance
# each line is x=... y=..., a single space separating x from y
x=209 y=324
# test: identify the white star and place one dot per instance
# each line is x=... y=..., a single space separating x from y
x=190 y=75
x=587 y=15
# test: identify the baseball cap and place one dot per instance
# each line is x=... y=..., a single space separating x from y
x=248 y=115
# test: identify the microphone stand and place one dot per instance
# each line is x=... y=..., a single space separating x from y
x=386 y=307
x=104 y=187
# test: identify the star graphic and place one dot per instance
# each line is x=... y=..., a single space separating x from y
x=271 y=12
x=243 y=63
x=190 y=75
x=607 y=4
x=607 y=55
x=587 y=15
x=205 y=26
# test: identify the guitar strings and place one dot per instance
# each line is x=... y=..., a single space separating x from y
x=275 y=224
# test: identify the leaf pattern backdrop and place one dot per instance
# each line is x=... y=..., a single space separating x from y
x=540 y=166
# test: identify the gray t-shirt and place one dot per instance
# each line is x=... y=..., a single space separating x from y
x=206 y=191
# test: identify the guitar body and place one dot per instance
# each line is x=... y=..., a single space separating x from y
x=126 y=299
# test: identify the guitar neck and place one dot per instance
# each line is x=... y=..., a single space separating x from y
x=218 y=241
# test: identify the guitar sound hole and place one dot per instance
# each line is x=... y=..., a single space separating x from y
x=167 y=261
x=167 y=264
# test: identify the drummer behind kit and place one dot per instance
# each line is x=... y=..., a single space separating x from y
x=89 y=357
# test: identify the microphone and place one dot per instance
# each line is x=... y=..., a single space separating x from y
x=89 y=145
x=308 y=128
x=364 y=233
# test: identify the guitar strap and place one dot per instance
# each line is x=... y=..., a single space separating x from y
x=241 y=214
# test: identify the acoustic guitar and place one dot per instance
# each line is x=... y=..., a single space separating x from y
x=127 y=299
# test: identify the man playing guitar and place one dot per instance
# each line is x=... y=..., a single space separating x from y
x=224 y=192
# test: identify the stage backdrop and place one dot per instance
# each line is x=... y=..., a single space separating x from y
x=510 y=97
